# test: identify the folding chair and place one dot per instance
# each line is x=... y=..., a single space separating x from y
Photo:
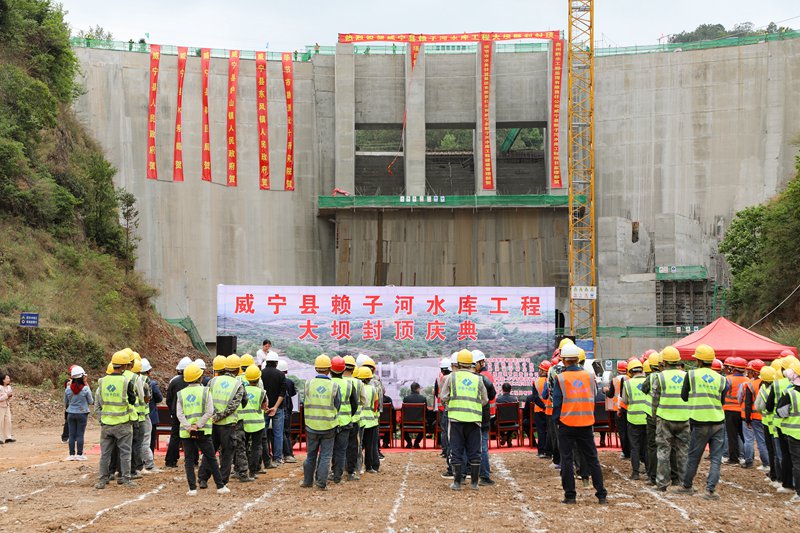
x=297 y=429
x=602 y=421
x=412 y=420
x=164 y=425
x=508 y=419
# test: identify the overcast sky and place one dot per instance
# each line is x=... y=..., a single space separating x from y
x=290 y=25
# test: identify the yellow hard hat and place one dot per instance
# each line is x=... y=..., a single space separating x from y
x=192 y=373
x=247 y=360
x=128 y=352
x=581 y=355
x=349 y=360
x=252 y=373
x=120 y=358
x=322 y=361
x=219 y=362
x=370 y=363
x=110 y=368
x=704 y=352
x=137 y=366
x=767 y=374
x=464 y=357
x=364 y=373
x=776 y=364
x=232 y=362
x=788 y=361
x=654 y=360
x=136 y=356
x=647 y=367
x=564 y=342
x=670 y=354
x=633 y=365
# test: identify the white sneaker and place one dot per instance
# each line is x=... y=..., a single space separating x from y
x=784 y=490
x=145 y=472
x=154 y=470
x=81 y=458
x=763 y=468
x=776 y=484
x=223 y=490
x=795 y=499
x=70 y=458
x=192 y=493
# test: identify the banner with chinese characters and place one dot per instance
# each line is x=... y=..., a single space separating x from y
x=555 y=113
x=288 y=85
x=177 y=169
x=446 y=37
x=486 y=134
x=155 y=59
x=230 y=128
x=205 y=63
x=407 y=330
x=263 y=120
x=415 y=49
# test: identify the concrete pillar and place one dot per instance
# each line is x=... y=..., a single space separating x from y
x=345 y=118
x=478 y=148
x=563 y=126
x=414 y=141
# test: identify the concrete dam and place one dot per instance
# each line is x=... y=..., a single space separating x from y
x=683 y=140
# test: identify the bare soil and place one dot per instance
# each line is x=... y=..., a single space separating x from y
x=41 y=492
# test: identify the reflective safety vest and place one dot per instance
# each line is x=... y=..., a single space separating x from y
x=577 y=398
x=194 y=399
x=705 y=395
x=464 y=403
x=223 y=388
x=619 y=382
x=492 y=403
x=251 y=414
x=115 y=408
x=369 y=414
x=779 y=386
x=790 y=425
x=440 y=381
x=670 y=405
x=134 y=409
x=359 y=386
x=637 y=401
x=766 y=416
x=345 y=389
x=142 y=408
x=754 y=386
x=319 y=411
x=732 y=394
x=539 y=384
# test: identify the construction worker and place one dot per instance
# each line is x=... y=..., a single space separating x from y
x=348 y=406
x=228 y=394
x=767 y=376
x=444 y=371
x=777 y=367
x=353 y=450
x=448 y=473
x=637 y=402
x=141 y=418
x=752 y=427
x=574 y=394
x=672 y=420
x=275 y=384
x=788 y=410
x=369 y=422
x=733 y=410
x=376 y=383
x=705 y=391
x=464 y=396
x=322 y=401
x=779 y=388
x=146 y=425
x=252 y=418
x=218 y=365
x=556 y=367
x=241 y=463
x=652 y=368
x=619 y=408
x=115 y=399
x=195 y=408
x=540 y=410
x=176 y=384
x=488 y=414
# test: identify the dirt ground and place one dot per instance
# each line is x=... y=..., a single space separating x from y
x=41 y=492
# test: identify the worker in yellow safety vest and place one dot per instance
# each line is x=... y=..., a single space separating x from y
x=321 y=411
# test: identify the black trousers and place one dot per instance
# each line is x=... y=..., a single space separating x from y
x=652 y=449
x=417 y=440
x=582 y=439
x=637 y=434
x=340 y=445
x=174 y=447
x=192 y=448
x=733 y=427
x=794 y=452
x=770 y=443
x=552 y=437
x=622 y=429
x=252 y=441
x=371 y=460
x=287 y=435
x=352 y=448
x=465 y=441
x=223 y=439
x=787 y=478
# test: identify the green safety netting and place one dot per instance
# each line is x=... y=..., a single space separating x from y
x=187 y=325
x=515 y=200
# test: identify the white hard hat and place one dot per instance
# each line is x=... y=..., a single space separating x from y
x=183 y=363
x=570 y=351
x=444 y=363
x=454 y=358
x=199 y=362
x=77 y=372
x=283 y=366
x=146 y=366
x=271 y=356
x=477 y=355
x=361 y=359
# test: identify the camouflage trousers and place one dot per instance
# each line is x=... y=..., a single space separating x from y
x=240 y=461
x=672 y=441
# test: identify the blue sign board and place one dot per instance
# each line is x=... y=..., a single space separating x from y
x=29 y=320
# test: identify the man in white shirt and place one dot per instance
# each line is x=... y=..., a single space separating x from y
x=261 y=355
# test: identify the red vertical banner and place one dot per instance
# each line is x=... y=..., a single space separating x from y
x=288 y=84
x=205 y=63
x=415 y=49
x=155 y=59
x=263 y=121
x=555 y=113
x=177 y=168
x=486 y=78
x=233 y=80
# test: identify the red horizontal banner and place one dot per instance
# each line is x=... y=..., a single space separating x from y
x=446 y=37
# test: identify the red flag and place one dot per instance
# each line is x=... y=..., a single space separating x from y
x=205 y=62
x=177 y=170
x=263 y=121
x=155 y=58
x=288 y=85
x=230 y=129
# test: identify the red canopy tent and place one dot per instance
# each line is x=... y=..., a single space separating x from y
x=728 y=338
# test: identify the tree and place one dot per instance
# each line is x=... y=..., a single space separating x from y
x=743 y=244
x=708 y=32
x=96 y=33
x=129 y=215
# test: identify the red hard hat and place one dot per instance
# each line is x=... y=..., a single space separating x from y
x=643 y=358
x=634 y=358
x=622 y=366
x=337 y=364
x=716 y=364
x=756 y=364
x=786 y=353
x=737 y=362
x=555 y=360
x=545 y=365
x=649 y=352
